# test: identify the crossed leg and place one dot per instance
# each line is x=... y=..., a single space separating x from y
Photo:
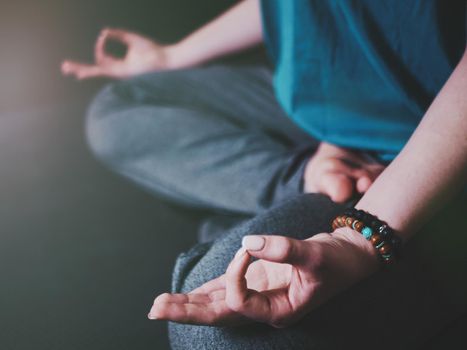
x=395 y=309
x=215 y=138
x=211 y=137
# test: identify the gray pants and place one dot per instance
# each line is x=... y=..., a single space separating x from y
x=215 y=138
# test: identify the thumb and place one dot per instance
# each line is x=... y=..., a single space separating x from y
x=277 y=249
x=363 y=184
x=83 y=70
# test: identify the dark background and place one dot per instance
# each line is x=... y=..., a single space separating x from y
x=82 y=252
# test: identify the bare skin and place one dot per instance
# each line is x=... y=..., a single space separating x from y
x=339 y=172
x=289 y=280
x=292 y=277
x=143 y=55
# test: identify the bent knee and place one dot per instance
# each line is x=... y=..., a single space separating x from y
x=108 y=122
x=98 y=133
x=253 y=336
x=121 y=113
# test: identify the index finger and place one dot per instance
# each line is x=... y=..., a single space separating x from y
x=238 y=297
x=99 y=48
x=122 y=35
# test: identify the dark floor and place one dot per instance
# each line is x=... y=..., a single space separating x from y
x=82 y=252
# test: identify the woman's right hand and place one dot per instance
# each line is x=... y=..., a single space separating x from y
x=143 y=55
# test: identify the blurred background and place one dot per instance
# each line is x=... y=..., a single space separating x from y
x=82 y=252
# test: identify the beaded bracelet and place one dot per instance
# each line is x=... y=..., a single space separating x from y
x=381 y=236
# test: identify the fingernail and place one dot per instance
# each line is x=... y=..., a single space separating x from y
x=253 y=242
x=151 y=316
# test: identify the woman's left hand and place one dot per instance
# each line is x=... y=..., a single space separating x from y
x=290 y=278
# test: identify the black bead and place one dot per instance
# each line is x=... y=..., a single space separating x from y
x=382 y=227
x=359 y=215
x=385 y=231
x=375 y=224
x=367 y=218
x=396 y=242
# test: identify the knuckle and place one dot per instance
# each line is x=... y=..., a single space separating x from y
x=211 y=319
x=157 y=312
x=331 y=164
x=317 y=264
x=163 y=298
x=285 y=249
x=235 y=303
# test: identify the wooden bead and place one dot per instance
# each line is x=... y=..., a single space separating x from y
x=385 y=249
x=339 y=221
x=376 y=239
x=349 y=221
x=334 y=224
x=357 y=225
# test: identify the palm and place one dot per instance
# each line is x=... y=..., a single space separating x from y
x=209 y=300
x=296 y=277
x=142 y=55
x=281 y=290
x=287 y=287
x=263 y=275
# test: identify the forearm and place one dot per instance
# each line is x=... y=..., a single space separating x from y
x=237 y=29
x=432 y=166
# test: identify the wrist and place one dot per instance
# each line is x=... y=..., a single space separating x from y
x=358 y=244
x=172 y=56
x=376 y=231
x=181 y=55
x=395 y=219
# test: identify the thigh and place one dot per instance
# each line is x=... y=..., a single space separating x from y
x=211 y=137
x=394 y=309
x=242 y=95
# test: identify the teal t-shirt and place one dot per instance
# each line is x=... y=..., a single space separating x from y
x=361 y=74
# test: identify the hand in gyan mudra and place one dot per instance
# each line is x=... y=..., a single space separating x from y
x=142 y=55
x=289 y=279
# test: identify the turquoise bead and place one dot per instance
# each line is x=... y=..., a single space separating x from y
x=367 y=232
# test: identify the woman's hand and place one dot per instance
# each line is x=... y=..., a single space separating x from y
x=290 y=278
x=339 y=172
x=143 y=55
x=221 y=36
